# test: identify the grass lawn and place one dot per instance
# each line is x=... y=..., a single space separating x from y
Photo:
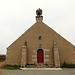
x=10 y=67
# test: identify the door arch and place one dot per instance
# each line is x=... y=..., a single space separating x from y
x=40 y=56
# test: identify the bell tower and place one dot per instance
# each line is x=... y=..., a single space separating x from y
x=39 y=16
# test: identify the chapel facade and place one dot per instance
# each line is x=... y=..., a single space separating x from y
x=40 y=45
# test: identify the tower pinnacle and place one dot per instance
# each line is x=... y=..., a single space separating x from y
x=39 y=16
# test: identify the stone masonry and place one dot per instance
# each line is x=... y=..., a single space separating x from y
x=24 y=56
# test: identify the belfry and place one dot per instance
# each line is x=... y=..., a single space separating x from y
x=41 y=46
x=39 y=16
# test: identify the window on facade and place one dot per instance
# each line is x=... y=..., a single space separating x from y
x=40 y=37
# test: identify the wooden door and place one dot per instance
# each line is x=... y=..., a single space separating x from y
x=40 y=56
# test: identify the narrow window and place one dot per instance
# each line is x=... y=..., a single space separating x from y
x=39 y=37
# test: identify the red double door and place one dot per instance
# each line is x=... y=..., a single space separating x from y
x=40 y=57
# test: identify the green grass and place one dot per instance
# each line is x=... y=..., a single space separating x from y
x=10 y=67
x=65 y=65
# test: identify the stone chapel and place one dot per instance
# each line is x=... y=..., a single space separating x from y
x=40 y=45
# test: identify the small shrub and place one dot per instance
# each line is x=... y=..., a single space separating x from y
x=46 y=64
x=65 y=65
x=29 y=65
x=23 y=66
